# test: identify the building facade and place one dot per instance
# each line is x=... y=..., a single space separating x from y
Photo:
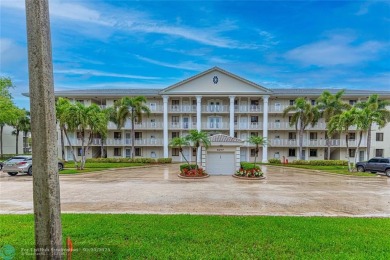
x=219 y=102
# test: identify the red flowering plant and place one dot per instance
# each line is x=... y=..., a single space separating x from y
x=190 y=170
x=249 y=170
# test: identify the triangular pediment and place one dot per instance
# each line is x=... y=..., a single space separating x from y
x=215 y=81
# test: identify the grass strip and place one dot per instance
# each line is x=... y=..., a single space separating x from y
x=106 y=236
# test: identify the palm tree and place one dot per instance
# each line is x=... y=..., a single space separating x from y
x=180 y=142
x=196 y=138
x=304 y=114
x=331 y=105
x=63 y=106
x=19 y=124
x=341 y=123
x=376 y=112
x=25 y=125
x=257 y=141
x=133 y=108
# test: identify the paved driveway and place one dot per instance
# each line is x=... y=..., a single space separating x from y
x=159 y=190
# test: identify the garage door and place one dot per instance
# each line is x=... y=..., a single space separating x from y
x=220 y=163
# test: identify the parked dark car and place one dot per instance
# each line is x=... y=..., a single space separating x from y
x=22 y=164
x=377 y=164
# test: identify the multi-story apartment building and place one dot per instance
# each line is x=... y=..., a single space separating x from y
x=217 y=101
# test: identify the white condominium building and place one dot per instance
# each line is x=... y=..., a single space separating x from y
x=217 y=101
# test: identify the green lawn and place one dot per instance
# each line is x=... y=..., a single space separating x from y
x=93 y=167
x=331 y=169
x=101 y=236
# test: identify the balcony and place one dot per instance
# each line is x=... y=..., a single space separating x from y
x=182 y=125
x=182 y=109
x=143 y=125
x=215 y=126
x=215 y=109
x=117 y=142
x=248 y=126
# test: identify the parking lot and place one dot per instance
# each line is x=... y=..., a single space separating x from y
x=158 y=190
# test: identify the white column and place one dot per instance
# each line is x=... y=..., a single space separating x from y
x=231 y=132
x=199 y=113
x=265 y=127
x=199 y=122
x=165 y=126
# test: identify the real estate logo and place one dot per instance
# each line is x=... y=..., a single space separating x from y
x=7 y=252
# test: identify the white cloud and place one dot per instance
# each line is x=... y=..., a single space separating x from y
x=336 y=50
x=184 y=65
x=11 y=53
x=96 y=73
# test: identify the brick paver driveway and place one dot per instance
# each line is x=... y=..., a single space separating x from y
x=159 y=190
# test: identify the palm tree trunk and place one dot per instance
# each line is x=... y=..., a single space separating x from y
x=256 y=154
x=328 y=145
x=132 y=133
x=17 y=142
x=358 y=146
x=62 y=143
x=86 y=150
x=301 y=144
x=101 y=147
x=71 y=148
x=181 y=151
x=347 y=145
x=82 y=149
x=196 y=158
x=369 y=142
x=1 y=140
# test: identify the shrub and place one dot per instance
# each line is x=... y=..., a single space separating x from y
x=321 y=162
x=120 y=160
x=187 y=166
x=164 y=160
x=274 y=161
x=249 y=166
x=193 y=172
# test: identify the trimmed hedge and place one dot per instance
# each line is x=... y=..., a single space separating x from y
x=321 y=162
x=187 y=166
x=120 y=160
x=248 y=166
x=274 y=161
x=164 y=160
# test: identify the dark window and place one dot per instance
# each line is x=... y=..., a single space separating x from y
x=193 y=151
x=254 y=119
x=138 y=135
x=117 y=151
x=373 y=161
x=291 y=152
x=384 y=161
x=175 y=134
x=292 y=102
x=79 y=151
x=235 y=134
x=235 y=119
x=289 y=119
x=175 y=102
x=236 y=102
x=175 y=151
x=379 y=136
x=352 y=136
x=292 y=136
x=117 y=135
x=313 y=102
x=313 y=152
x=352 y=152
x=313 y=136
x=352 y=102
x=138 y=151
x=253 y=152
x=79 y=135
x=254 y=134
x=175 y=119
x=378 y=152
x=254 y=102
x=194 y=102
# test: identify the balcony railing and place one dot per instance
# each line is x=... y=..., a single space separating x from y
x=143 y=125
x=215 y=108
x=215 y=125
x=117 y=141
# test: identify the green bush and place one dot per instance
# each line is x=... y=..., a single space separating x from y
x=164 y=160
x=187 y=166
x=274 y=161
x=120 y=160
x=248 y=166
x=321 y=162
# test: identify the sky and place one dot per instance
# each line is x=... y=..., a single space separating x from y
x=100 y=44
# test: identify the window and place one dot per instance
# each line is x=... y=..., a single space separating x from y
x=117 y=151
x=79 y=151
x=117 y=135
x=79 y=135
x=175 y=102
x=313 y=102
x=175 y=151
x=254 y=119
x=351 y=136
x=379 y=136
x=352 y=102
x=292 y=136
x=254 y=102
x=80 y=101
x=235 y=134
x=291 y=152
x=254 y=134
x=352 y=152
x=175 y=119
x=253 y=152
x=384 y=161
x=175 y=134
x=378 y=152
x=313 y=152
x=153 y=154
x=313 y=136
x=292 y=102
x=277 y=136
x=152 y=106
x=235 y=119
x=138 y=135
x=289 y=119
x=277 y=155
x=138 y=151
x=193 y=151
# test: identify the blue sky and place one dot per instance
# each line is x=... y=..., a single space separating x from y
x=153 y=44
